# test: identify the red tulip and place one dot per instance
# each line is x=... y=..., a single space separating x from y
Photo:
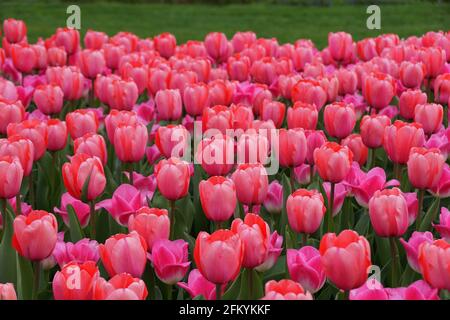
x=24 y=57
x=400 y=137
x=77 y=172
x=124 y=253
x=333 y=162
x=219 y=256
x=345 y=258
x=35 y=235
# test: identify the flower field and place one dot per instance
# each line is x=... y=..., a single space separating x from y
x=238 y=168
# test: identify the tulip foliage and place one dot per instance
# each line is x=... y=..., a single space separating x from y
x=242 y=168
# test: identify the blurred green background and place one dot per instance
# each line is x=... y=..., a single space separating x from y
x=287 y=20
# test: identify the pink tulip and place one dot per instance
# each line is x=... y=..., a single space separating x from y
x=434 y=263
x=285 y=290
x=412 y=74
x=91 y=62
x=80 y=252
x=170 y=260
x=251 y=183
x=24 y=57
x=254 y=233
x=70 y=79
x=305 y=268
x=378 y=89
x=309 y=91
x=81 y=209
x=292 y=147
x=444 y=224
x=274 y=199
x=48 y=98
x=196 y=98
x=80 y=122
x=56 y=134
x=217 y=46
x=442 y=189
x=168 y=104
x=125 y=201
x=11 y=113
x=124 y=253
x=34 y=130
x=305 y=210
x=340 y=45
x=11 y=174
x=172 y=177
x=372 y=130
x=216 y=155
x=339 y=119
x=434 y=60
x=20 y=148
x=220 y=92
x=412 y=247
x=400 y=137
x=425 y=167
x=238 y=67
x=273 y=110
x=218 y=198
x=302 y=115
x=252 y=148
x=314 y=140
x=15 y=30
x=35 y=235
x=65 y=288
x=430 y=116
x=340 y=193
x=91 y=144
x=120 y=287
x=172 y=140
x=7 y=291
x=165 y=44
x=197 y=285
x=339 y=156
x=275 y=248
x=348 y=81
x=117 y=118
x=441 y=141
x=218 y=117
x=130 y=142
x=151 y=223
x=442 y=88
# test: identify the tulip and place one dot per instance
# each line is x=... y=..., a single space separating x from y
x=48 y=98
x=302 y=115
x=124 y=253
x=442 y=88
x=292 y=147
x=251 y=183
x=370 y=290
x=130 y=142
x=35 y=235
x=434 y=60
x=254 y=233
x=93 y=145
x=70 y=79
x=412 y=247
x=216 y=156
x=7 y=291
x=388 y=213
x=341 y=158
x=15 y=30
x=340 y=193
x=434 y=263
x=418 y=290
x=116 y=118
x=285 y=290
x=309 y=91
x=68 y=38
x=305 y=210
x=218 y=198
x=340 y=45
x=273 y=110
x=444 y=224
x=150 y=223
x=56 y=57
x=430 y=116
x=275 y=248
x=220 y=92
x=242 y=40
x=120 y=287
x=170 y=260
x=345 y=259
x=56 y=134
x=91 y=62
x=196 y=98
x=412 y=74
x=95 y=40
x=242 y=116
x=348 y=81
x=372 y=130
x=84 y=169
x=165 y=44
x=168 y=104
x=126 y=200
x=81 y=209
x=218 y=117
x=80 y=122
x=442 y=189
x=24 y=57
x=75 y=281
x=10 y=113
x=11 y=174
x=34 y=130
x=219 y=256
x=305 y=267
x=20 y=148
x=400 y=137
x=80 y=252
x=357 y=147
x=238 y=67
x=314 y=140
x=172 y=140
x=339 y=119
x=172 y=177
x=441 y=141
x=217 y=46
x=274 y=199
x=425 y=167
x=378 y=89
x=197 y=285
x=264 y=71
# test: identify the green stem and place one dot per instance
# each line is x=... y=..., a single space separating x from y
x=169 y=292
x=92 y=218
x=36 y=279
x=31 y=191
x=250 y=284
x=371 y=163
x=219 y=225
x=18 y=204
x=398 y=172
x=394 y=261
x=304 y=239
x=172 y=218
x=419 y=211
x=292 y=179
x=131 y=173
x=218 y=291
x=4 y=214
x=330 y=208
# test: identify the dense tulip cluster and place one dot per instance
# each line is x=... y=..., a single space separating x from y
x=236 y=168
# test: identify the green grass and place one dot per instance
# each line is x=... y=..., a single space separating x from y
x=287 y=23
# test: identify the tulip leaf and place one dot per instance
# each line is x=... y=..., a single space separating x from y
x=328 y=292
x=430 y=215
x=85 y=189
x=7 y=252
x=76 y=233
x=199 y=297
x=286 y=192
x=278 y=271
x=362 y=226
x=111 y=186
x=233 y=291
x=24 y=278
x=251 y=285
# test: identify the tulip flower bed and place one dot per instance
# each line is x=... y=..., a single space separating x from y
x=241 y=168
